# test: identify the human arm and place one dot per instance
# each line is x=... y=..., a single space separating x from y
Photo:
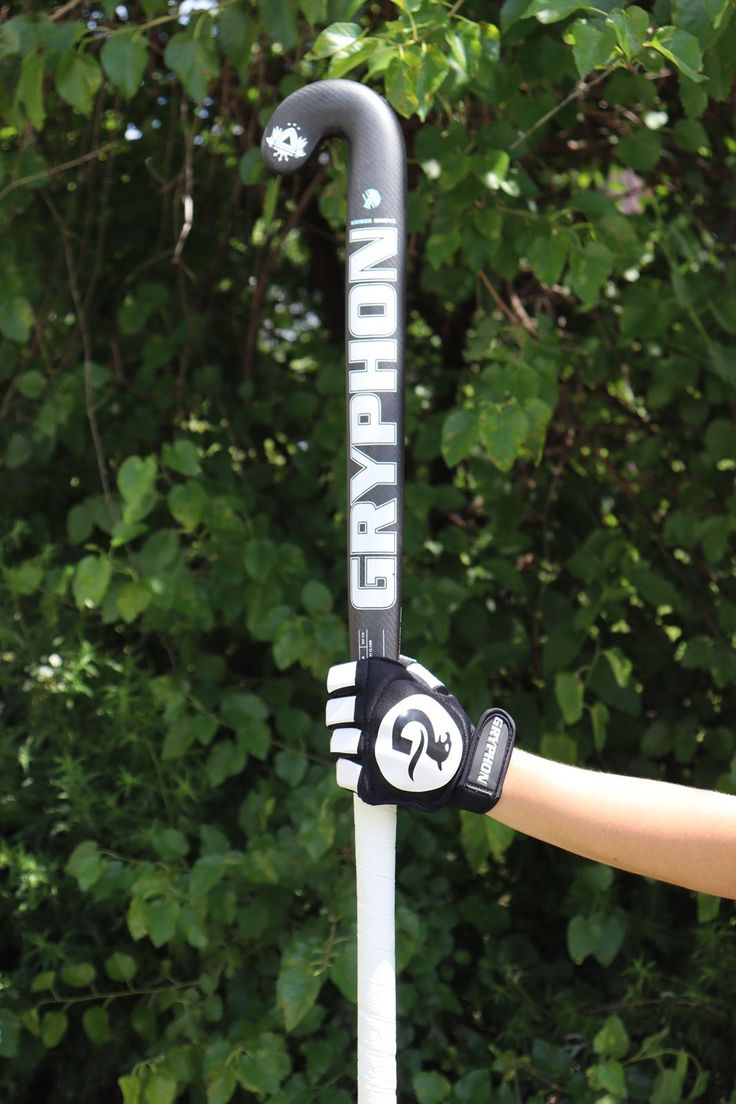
x=675 y=833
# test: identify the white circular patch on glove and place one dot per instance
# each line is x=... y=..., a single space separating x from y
x=419 y=747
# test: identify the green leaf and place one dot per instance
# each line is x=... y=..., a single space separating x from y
x=593 y=42
x=191 y=55
x=140 y=304
x=124 y=56
x=96 y=1025
x=136 y=483
x=79 y=976
x=668 y=1085
x=91 y=580
x=290 y=767
x=361 y=51
x=19 y=451
x=16 y=319
x=238 y=708
x=569 y=692
x=280 y=21
x=473 y=1088
x=160 y=917
x=254 y=737
x=160 y=1089
x=194 y=927
x=612 y=1041
x=225 y=760
x=130 y=1086
x=251 y=167
x=335 y=38
x=460 y=435
x=315 y=11
x=159 y=551
x=316 y=598
x=430 y=1087
x=599 y=716
x=499 y=838
x=132 y=600
x=85 y=864
x=560 y=747
x=589 y=269
x=44 y=980
x=693 y=96
x=552 y=11
x=26 y=578
x=9 y=1031
x=581 y=938
x=183 y=733
x=610 y=1076
x=187 y=503
x=182 y=456
x=691 y=135
x=236 y=34
x=620 y=665
x=610 y=931
x=682 y=49
x=703 y=18
x=503 y=431
x=170 y=844
x=136 y=918
x=221 y=1085
x=30 y=87
x=641 y=148
x=206 y=874
x=631 y=28
x=292 y=642
x=298 y=984
x=708 y=907
x=120 y=966
x=264 y=1065
x=10 y=38
x=548 y=254
x=434 y=70
x=53 y=1028
x=78 y=76
x=402 y=80
x=32 y=384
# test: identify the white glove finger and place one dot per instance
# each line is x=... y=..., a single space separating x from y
x=421 y=672
x=339 y=711
x=341 y=677
x=345 y=741
x=348 y=774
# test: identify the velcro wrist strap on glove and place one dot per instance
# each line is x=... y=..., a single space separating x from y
x=401 y=738
x=494 y=737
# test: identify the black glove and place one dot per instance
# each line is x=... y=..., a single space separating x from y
x=401 y=738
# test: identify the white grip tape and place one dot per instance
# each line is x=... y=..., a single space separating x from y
x=375 y=863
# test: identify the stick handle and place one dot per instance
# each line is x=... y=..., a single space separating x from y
x=375 y=850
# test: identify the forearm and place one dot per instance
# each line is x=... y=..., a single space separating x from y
x=674 y=833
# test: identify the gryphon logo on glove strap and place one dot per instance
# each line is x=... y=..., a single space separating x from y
x=418 y=747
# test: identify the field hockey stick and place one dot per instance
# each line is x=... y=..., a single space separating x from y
x=375 y=326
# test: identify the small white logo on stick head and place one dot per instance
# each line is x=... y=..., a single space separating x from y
x=371 y=198
x=286 y=142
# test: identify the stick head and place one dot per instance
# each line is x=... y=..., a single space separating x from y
x=330 y=107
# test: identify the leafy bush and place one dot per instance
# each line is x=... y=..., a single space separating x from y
x=177 y=906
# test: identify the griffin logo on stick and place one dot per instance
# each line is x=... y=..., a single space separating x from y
x=286 y=142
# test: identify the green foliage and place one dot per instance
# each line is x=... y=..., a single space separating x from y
x=178 y=914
